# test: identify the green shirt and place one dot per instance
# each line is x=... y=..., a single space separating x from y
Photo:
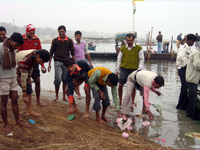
x=92 y=81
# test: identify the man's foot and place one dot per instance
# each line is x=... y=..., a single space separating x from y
x=8 y=131
x=55 y=99
x=33 y=113
x=144 y=111
x=105 y=119
x=65 y=99
x=24 y=107
x=40 y=104
x=86 y=114
x=100 y=121
x=75 y=110
x=19 y=123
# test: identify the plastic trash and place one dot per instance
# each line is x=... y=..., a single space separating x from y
x=31 y=121
x=71 y=117
x=146 y=123
x=125 y=135
x=159 y=104
x=123 y=124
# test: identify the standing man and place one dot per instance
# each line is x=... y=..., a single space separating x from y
x=80 y=50
x=77 y=74
x=8 y=80
x=130 y=58
x=192 y=78
x=159 y=40
x=197 y=41
x=178 y=40
x=61 y=48
x=183 y=54
x=26 y=60
x=144 y=81
x=99 y=78
x=2 y=34
x=31 y=41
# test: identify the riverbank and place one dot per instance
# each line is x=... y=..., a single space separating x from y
x=53 y=131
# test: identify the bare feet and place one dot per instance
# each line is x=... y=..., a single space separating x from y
x=55 y=99
x=144 y=111
x=33 y=113
x=65 y=99
x=105 y=119
x=8 y=131
x=100 y=121
x=24 y=107
x=79 y=96
x=19 y=123
x=86 y=114
x=40 y=104
x=75 y=110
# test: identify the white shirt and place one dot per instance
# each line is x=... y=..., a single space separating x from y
x=183 y=54
x=140 y=55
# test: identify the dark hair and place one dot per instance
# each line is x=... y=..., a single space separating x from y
x=159 y=80
x=17 y=37
x=78 y=32
x=61 y=27
x=68 y=62
x=44 y=55
x=2 y=28
x=191 y=37
x=130 y=35
x=113 y=78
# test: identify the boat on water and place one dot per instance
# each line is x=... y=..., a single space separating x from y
x=91 y=46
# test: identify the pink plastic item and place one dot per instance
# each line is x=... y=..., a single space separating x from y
x=125 y=135
x=129 y=128
x=118 y=120
x=146 y=123
x=159 y=139
x=129 y=120
x=163 y=140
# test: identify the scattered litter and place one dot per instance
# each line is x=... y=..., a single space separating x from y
x=159 y=139
x=163 y=140
x=129 y=128
x=159 y=104
x=9 y=134
x=194 y=135
x=71 y=117
x=125 y=135
x=123 y=123
x=31 y=121
x=195 y=146
x=146 y=123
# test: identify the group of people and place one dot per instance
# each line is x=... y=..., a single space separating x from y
x=188 y=64
x=18 y=67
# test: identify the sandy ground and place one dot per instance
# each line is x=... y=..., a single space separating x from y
x=53 y=130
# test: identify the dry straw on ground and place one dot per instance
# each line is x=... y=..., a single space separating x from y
x=53 y=131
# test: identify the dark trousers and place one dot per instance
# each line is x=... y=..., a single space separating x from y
x=183 y=98
x=192 y=110
x=97 y=98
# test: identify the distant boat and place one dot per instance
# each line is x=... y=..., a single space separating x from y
x=91 y=46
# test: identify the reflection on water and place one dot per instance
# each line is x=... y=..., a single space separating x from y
x=172 y=125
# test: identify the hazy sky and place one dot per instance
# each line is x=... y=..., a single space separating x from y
x=169 y=17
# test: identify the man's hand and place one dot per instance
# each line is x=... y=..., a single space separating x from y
x=29 y=80
x=49 y=67
x=117 y=73
x=102 y=95
x=158 y=93
x=91 y=65
x=150 y=115
x=43 y=69
x=70 y=111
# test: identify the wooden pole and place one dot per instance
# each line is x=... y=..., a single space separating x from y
x=151 y=37
x=171 y=50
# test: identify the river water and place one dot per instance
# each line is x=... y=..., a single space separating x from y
x=173 y=124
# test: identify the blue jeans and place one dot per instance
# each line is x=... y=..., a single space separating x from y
x=159 y=47
x=60 y=73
